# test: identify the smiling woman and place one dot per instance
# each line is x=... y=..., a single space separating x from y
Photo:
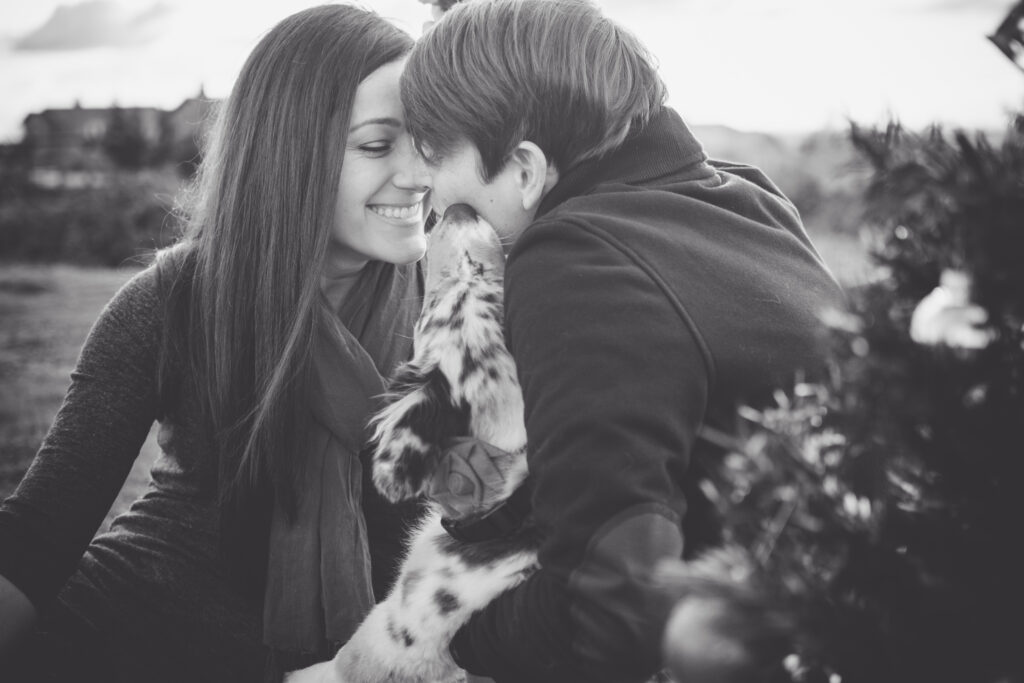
x=380 y=211
x=257 y=344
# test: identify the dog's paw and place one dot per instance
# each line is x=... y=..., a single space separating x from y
x=325 y=672
x=410 y=432
x=402 y=464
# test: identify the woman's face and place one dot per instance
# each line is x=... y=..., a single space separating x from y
x=379 y=212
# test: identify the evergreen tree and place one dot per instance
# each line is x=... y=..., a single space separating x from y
x=876 y=521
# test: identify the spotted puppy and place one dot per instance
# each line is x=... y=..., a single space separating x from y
x=461 y=381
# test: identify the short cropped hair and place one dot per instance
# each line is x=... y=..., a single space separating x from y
x=555 y=72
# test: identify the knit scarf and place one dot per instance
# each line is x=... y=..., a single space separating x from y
x=318 y=585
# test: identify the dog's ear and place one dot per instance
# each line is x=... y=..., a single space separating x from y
x=412 y=430
x=434 y=417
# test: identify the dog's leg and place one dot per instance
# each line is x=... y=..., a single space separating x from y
x=405 y=638
x=318 y=673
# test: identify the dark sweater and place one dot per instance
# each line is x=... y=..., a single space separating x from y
x=156 y=587
x=654 y=291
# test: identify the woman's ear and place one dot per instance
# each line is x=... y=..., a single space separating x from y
x=534 y=174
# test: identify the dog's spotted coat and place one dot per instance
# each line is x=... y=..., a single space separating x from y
x=461 y=381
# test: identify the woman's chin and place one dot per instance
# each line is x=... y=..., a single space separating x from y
x=412 y=255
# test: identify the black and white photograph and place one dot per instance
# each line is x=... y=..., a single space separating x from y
x=511 y=341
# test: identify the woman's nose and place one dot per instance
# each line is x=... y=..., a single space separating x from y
x=412 y=172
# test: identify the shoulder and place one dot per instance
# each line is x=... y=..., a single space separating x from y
x=166 y=269
x=559 y=253
x=588 y=247
x=567 y=238
x=139 y=305
x=751 y=174
x=578 y=274
x=596 y=239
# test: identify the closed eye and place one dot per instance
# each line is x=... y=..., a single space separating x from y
x=376 y=148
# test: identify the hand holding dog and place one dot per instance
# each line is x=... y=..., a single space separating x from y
x=467 y=480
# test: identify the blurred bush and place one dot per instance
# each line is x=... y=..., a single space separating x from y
x=15 y=161
x=125 y=215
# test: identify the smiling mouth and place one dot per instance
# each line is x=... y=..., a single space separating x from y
x=398 y=212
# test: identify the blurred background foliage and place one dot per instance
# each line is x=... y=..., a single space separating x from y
x=127 y=217
x=874 y=516
x=120 y=202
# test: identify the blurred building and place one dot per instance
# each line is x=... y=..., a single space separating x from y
x=80 y=146
x=183 y=127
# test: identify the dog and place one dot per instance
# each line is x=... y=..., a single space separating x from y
x=470 y=548
x=461 y=381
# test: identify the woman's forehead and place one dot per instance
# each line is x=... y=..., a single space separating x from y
x=377 y=96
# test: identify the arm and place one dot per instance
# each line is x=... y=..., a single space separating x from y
x=19 y=615
x=47 y=523
x=615 y=386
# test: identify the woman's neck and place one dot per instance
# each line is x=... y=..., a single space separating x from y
x=337 y=282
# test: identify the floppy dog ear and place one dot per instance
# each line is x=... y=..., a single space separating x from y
x=410 y=431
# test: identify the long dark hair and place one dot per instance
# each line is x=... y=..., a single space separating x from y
x=247 y=291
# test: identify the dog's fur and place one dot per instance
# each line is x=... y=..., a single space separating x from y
x=461 y=381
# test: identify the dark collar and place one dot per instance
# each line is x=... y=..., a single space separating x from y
x=498 y=522
x=665 y=145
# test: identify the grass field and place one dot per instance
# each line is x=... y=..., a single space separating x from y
x=46 y=312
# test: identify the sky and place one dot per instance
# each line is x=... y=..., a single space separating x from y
x=777 y=66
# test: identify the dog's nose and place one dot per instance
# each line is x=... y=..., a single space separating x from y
x=460 y=212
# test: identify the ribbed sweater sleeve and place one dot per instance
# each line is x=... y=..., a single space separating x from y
x=88 y=452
